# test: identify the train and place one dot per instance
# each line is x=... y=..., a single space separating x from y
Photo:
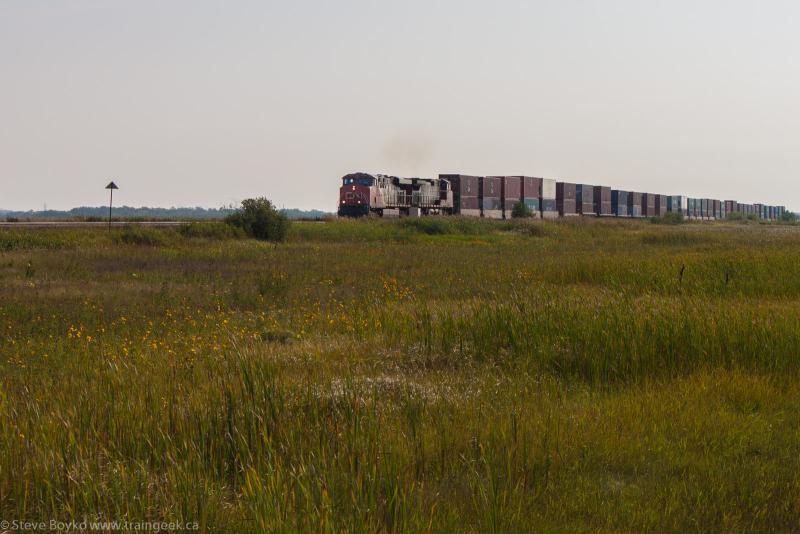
x=363 y=194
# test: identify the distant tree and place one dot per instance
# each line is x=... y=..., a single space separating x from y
x=521 y=211
x=789 y=216
x=259 y=218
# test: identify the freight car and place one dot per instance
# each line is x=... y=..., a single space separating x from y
x=495 y=197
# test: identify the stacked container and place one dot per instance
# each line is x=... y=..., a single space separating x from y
x=635 y=204
x=662 y=205
x=584 y=199
x=547 y=194
x=511 y=194
x=492 y=197
x=565 y=199
x=602 y=201
x=678 y=204
x=466 y=193
x=648 y=205
x=531 y=194
x=619 y=203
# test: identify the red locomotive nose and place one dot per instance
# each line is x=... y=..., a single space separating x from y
x=354 y=195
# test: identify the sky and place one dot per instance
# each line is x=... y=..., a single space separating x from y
x=204 y=103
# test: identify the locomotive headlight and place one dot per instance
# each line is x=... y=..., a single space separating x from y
x=354 y=188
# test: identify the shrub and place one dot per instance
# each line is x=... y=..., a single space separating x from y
x=258 y=218
x=521 y=211
x=138 y=235
x=788 y=216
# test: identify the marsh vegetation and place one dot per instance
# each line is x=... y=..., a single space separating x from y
x=434 y=375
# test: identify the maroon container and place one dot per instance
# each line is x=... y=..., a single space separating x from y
x=565 y=199
x=648 y=205
x=602 y=201
x=635 y=204
x=661 y=205
x=466 y=193
x=531 y=194
x=511 y=193
x=491 y=197
x=531 y=187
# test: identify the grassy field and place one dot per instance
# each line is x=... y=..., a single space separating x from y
x=413 y=375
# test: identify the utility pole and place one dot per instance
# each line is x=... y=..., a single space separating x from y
x=111 y=186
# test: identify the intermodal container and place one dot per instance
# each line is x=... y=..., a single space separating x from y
x=619 y=203
x=565 y=199
x=678 y=204
x=466 y=193
x=662 y=205
x=584 y=199
x=602 y=201
x=511 y=193
x=635 y=204
x=648 y=205
x=531 y=194
x=547 y=194
x=491 y=197
x=717 y=209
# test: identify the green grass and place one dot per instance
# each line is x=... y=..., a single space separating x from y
x=434 y=375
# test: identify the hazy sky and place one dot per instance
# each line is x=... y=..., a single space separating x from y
x=200 y=102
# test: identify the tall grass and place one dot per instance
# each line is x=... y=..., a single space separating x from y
x=412 y=375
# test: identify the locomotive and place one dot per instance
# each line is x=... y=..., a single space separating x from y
x=378 y=194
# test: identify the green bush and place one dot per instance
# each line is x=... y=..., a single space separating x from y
x=788 y=216
x=521 y=211
x=258 y=218
x=139 y=235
